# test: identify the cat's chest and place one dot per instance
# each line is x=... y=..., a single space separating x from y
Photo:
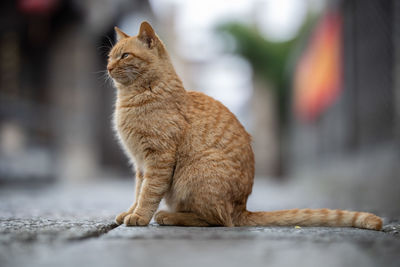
x=132 y=132
x=155 y=130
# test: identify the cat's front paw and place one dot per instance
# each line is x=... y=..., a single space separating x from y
x=120 y=218
x=135 y=220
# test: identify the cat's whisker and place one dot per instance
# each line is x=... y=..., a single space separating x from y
x=133 y=74
x=109 y=41
x=100 y=71
x=104 y=49
x=105 y=77
x=104 y=46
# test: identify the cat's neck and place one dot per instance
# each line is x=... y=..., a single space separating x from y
x=165 y=89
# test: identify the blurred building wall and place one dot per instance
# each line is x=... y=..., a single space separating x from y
x=55 y=103
x=354 y=145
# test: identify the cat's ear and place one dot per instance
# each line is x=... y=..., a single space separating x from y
x=147 y=35
x=120 y=34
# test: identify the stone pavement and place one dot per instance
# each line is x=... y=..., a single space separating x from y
x=72 y=225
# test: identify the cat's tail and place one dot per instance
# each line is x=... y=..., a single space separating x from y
x=311 y=217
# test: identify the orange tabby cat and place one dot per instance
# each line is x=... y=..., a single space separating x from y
x=190 y=149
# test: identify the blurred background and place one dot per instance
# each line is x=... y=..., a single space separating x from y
x=316 y=83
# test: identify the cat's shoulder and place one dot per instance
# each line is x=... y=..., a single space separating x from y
x=197 y=95
x=205 y=104
x=201 y=98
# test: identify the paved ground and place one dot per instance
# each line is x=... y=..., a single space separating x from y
x=73 y=226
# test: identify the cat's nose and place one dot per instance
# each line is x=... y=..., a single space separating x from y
x=110 y=68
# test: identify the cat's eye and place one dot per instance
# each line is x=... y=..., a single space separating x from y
x=124 y=55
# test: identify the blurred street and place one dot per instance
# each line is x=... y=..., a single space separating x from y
x=315 y=82
x=74 y=227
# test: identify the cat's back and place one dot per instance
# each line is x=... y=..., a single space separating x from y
x=213 y=125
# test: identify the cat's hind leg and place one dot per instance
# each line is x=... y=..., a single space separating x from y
x=179 y=219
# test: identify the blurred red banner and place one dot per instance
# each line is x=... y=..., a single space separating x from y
x=318 y=74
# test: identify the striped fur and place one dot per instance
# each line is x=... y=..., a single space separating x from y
x=190 y=149
x=317 y=217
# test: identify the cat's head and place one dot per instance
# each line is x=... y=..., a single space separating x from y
x=135 y=59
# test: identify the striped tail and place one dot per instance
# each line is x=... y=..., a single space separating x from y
x=312 y=217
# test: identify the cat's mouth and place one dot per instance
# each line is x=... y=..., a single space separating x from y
x=124 y=78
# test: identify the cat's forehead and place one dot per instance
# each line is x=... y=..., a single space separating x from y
x=119 y=47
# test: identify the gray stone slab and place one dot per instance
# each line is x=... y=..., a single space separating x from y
x=156 y=246
x=57 y=213
x=50 y=230
x=73 y=226
x=78 y=201
x=314 y=234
